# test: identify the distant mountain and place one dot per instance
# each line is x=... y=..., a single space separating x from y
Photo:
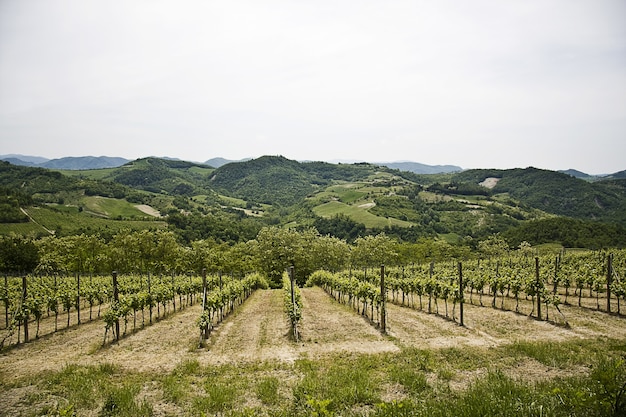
x=19 y=162
x=70 y=162
x=218 y=162
x=618 y=175
x=575 y=173
x=418 y=168
x=84 y=162
x=25 y=160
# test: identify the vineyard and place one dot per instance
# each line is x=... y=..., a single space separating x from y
x=368 y=341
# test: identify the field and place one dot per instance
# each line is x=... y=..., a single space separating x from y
x=99 y=213
x=426 y=364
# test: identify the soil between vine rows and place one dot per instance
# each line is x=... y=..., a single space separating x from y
x=259 y=331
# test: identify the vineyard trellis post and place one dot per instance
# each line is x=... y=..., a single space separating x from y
x=24 y=295
x=461 y=294
x=6 y=300
x=383 y=297
x=294 y=305
x=78 y=298
x=537 y=287
x=609 y=275
x=116 y=299
x=205 y=329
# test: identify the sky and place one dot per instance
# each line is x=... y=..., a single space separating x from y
x=479 y=84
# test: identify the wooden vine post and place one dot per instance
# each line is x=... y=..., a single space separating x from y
x=461 y=294
x=205 y=328
x=78 y=298
x=116 y=299
x=24 y=294
x=383 y=300
x=294 y=323
x=537 y=287
x=6 y=301
x=609 y=276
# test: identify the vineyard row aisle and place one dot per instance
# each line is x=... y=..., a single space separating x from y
x=259 y=330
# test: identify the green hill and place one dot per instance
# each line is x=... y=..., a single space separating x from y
x=555 y=192
x=233 y=201
x=268 y=180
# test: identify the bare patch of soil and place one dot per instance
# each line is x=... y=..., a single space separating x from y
x=258 y=331
x=489 y=182
x=157 y=347
x=151 y=211
x=328 y=326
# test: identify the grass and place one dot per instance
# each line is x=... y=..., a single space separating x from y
x=68 y=220
x=357 y=214
x=112 y=208
x=407 y=383
x=94 y=174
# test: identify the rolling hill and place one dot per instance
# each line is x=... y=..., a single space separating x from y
x=230 y=202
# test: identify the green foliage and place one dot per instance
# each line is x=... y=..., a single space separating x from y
x=280 y=248
x=267 y=390
x=10 y=202
x=456 y=206
x=571 y=233
x=459 y=188
x=340 y=226
x=343 y=384
x=269 y=179
x=156 y=175
x=292 y=304
x=373 y=251
x=121 y=402
x=18 y=254
x=221 y=226
x=609 y=376
x=557 y=193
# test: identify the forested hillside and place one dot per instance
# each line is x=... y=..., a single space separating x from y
x=556 y=193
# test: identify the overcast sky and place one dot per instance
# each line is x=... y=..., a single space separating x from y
x=480 y=84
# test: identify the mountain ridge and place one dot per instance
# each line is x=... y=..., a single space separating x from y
x=99 y=162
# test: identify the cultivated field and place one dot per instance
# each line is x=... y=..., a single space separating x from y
x=343 y=365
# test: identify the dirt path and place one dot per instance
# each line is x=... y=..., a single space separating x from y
x=257 y=331
x=260 y=331
x=488 y=327
x=328 y=326
x=157 y=347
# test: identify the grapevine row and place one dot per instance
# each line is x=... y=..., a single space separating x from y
x=221 y=300
x=292 y=302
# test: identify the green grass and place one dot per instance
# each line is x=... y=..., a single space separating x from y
x=233 y=201
x=201 y=171
x=68 y=220
x=357 y=214
x=93 y=174
x=111 y=207
x=411 y=382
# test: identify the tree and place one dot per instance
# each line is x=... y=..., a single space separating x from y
x=494 y=245
x=279 y=248
x=18 y=254
x=331 y=253
x=373 y=251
